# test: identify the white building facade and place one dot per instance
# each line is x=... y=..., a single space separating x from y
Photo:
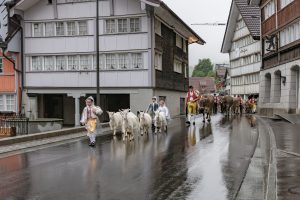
x=60 y=55
x=244 y=48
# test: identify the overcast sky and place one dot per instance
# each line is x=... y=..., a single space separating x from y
x=204 y=11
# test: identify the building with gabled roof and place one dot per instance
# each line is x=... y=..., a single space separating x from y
x=280 y=39
x=143 y=48
x=241 y=42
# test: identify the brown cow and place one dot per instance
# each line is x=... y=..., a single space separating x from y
x=235 y=106
x=227 y=102
x=206 y=104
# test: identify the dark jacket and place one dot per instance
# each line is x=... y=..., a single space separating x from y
x=152 y=107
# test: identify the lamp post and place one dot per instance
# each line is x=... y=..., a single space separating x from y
x=97 y=55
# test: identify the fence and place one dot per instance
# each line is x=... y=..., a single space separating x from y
x=13 y=125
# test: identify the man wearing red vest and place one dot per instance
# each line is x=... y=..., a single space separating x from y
x=191 y=103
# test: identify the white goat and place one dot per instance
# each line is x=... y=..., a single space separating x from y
x=160 y=122
x=115 y=121
x=130 y=123
x=145 y=122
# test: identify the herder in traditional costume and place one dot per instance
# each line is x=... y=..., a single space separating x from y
x=191 y=102
x=89 y=119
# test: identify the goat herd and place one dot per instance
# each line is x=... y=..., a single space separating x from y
x=129 y=123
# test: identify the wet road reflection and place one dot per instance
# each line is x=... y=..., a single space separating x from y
x=206 y=161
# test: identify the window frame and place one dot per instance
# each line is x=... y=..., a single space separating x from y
x=59 y=63
x=158 y=61
x=135 y=28
x=62 y=28
x=110 y=26
x=86 y=27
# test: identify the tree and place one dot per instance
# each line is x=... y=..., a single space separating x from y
x=203 y=68
x=211 y=73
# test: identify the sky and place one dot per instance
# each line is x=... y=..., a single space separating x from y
x=204 y=11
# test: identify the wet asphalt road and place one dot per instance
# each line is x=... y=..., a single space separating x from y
x=206 y=162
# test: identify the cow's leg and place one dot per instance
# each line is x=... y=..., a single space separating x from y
x=115 y=131
x=203 y=117
x=209 y=117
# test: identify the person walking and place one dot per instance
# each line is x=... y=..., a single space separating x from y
x=215 y=104
x=191 y=103
x=152 y=108
x=89 y=119
x=164 y=109
x=240 y=99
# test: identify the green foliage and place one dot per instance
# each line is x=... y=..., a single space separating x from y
x=203 y=68
x=211 y=73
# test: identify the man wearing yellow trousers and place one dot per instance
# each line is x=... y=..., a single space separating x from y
x=191 y=103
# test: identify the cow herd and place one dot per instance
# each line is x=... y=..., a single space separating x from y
x=130 y=124
x=225 y=104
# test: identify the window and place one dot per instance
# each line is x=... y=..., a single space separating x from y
x=37 y=29
x=137 y=61
x=60 y=28
x=184 y=47
x=269 y=9
x=290 y=34
x=284 y=3
x=37 y=63
x=158 y=61
x=110 y=26
x=245 y=41
x=73 y=63
x=240 y=24
x=61 y=63
x=134 y=24
x=85 y=62
x=49 y=63
x=83 y=27
x=178 y=41
x=122 y=25
x=111 y=61
x=71 y=28
x=157 y=27
x=49 y=29
x=1 y=102
x=101 y=62
x=1 y=65
x=7 y=102
x=10 y=102
x=123 y=61
x=178 y=66
x=186 y=71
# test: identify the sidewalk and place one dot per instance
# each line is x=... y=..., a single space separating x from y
x=287 y=137
x=44 y=139
x=284 y=160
